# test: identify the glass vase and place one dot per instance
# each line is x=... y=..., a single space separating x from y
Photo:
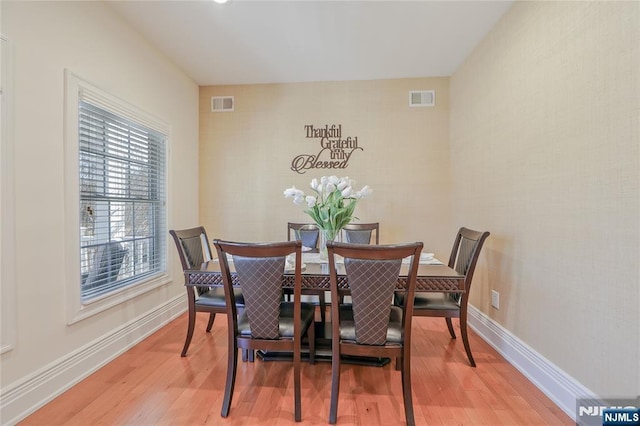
x=325 y=236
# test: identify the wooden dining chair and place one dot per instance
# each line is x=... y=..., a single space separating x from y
x=463 y=258
x=268 y=322
x=362 y=233
x=308 y=233
x=193 y=249
x=371 y=325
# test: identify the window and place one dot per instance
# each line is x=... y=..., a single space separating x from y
x=116 y=179
x=122 y=201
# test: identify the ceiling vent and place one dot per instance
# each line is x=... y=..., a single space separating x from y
x=422 y=98
x=222 y=103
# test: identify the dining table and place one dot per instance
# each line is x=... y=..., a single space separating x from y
x=433 y=276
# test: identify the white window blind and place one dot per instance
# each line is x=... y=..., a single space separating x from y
x=122 y=200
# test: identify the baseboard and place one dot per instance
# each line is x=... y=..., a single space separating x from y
x=555 y=383
x=27 y=395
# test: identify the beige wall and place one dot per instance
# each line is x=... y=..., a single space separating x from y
x=90 y=40
x=246 y=155
x=544 y=148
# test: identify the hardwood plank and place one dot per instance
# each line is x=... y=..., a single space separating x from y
x=152 y=385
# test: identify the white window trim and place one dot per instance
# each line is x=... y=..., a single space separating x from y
x=76 y=309
x=7 y=206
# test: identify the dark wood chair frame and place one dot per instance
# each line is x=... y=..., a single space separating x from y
x=236 y=340
x=464 y=256
x=178 y=236
x=293 y=226
x=374 y=226
x=194 y=292
x=401 y=352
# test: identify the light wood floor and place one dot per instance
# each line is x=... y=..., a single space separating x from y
x=152 y=385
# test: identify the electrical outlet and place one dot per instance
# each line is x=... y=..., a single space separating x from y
x=495 y=299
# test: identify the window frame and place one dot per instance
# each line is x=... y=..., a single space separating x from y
x=75 y=89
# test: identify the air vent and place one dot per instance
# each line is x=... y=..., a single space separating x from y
x=222 y=103
x=422 y=98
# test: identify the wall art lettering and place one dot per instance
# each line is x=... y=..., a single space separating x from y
x=335 y=151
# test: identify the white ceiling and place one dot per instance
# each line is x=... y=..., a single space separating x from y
x=245 y=42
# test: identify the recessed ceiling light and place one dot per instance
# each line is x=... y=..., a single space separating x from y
x=221 y=1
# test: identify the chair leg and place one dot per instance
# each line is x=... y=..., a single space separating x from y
x=465 y=336
x=232 y=366
x=191 y=323
x=212 y=317
x=248 y=355
x=450 y=327
x=311 y=335
x=323 y=307
x=406 y=390
x=335 y=384
x=296 y=381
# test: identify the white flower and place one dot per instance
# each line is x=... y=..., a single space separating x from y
x=292 y=192
x=329 y=188
x=332 y=206
x=364 y=192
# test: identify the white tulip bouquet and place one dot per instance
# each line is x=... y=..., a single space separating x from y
x=334 y=203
